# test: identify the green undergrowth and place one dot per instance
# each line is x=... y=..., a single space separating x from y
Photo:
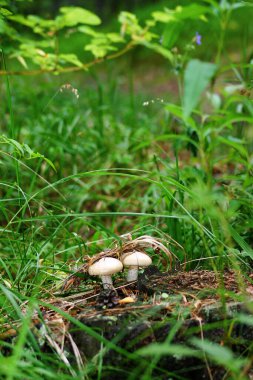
x=85 y=158
x=108 y=165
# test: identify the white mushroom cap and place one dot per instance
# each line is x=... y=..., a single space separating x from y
x=136 y=258
x=105 y=267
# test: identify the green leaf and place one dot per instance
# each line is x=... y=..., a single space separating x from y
x=167 y=349
x=71 y=58
x=87 y=30
x=130 y=24
x=248 y=251
x=3 y=26
x=50 y=163
x=171 y=33
x=115 y=37
x=32 y=155
x=99 y=50
x=17 y=145
x=220 y=355
x=164 y=16
x=234 y=143
x=245 y=319
x=177 y=111
x=193 y=11
x=102 y=43
x=24 y=150
x=5 y=12
x=23 y=20
x=128 y=18
x=22 y=61
x=158 y=49
x=73 y=16
x=197 y=76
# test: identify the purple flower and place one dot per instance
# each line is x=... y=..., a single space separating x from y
x=198 y=38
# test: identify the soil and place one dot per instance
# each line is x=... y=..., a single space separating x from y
x=204 y=304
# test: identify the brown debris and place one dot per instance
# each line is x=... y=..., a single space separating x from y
x=127 y=246
x=182 y=293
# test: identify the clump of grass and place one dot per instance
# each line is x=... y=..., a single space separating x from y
x=90 y=163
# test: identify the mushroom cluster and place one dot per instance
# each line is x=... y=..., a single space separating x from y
x=108 y=266
x=129 y=254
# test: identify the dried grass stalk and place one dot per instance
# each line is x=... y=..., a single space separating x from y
x=127 y=246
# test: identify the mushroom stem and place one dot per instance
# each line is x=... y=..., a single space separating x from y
x=107 y=282
x=132 y=273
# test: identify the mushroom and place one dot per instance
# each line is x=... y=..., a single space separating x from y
x=104 y=268
x=133 y=261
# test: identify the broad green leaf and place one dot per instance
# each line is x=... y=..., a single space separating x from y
x=73 y=16
x=171 y=33
x=197 y=76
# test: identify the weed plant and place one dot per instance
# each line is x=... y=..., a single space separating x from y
x=85 y=158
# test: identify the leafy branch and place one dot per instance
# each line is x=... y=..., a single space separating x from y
x=41 y=47
x=59 y=70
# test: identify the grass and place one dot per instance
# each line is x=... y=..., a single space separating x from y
x=78 y=171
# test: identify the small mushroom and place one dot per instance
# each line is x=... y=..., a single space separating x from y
x=133 y=261
x=104 y=268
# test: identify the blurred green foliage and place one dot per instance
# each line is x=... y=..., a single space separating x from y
x=90 y=156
